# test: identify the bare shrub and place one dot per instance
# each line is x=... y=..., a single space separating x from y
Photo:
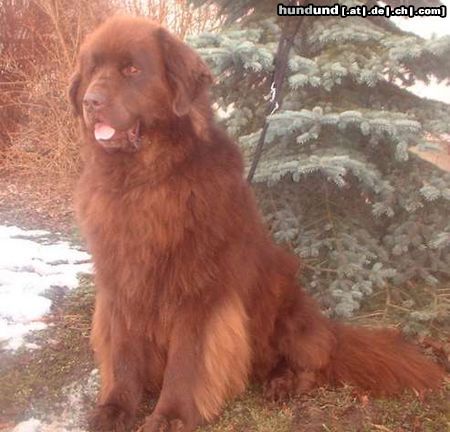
x=41 y=38
x=179 y=15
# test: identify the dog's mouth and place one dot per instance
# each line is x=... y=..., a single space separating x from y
x=111 y=139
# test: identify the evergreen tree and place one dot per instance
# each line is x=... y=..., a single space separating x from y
x=336 y=179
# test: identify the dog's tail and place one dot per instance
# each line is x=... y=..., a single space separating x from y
x=380 y=361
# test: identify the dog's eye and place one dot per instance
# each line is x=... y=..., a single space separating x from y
x=130 y=70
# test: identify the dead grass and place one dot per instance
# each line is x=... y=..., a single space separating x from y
x=30 y=201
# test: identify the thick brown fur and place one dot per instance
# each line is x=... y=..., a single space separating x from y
x=193 y=297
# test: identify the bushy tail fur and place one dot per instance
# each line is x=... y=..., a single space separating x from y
x=380 y=361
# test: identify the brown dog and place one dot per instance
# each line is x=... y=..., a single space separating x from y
x=193 y=297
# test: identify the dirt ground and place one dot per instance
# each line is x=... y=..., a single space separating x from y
x=57 y=383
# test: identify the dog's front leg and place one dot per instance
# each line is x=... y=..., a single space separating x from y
x=208 y=363
x=119 y=354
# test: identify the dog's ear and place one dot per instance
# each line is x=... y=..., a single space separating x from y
x=187 y=73
x=74 y=85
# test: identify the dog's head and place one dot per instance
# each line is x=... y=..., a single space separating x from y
x=131 y=74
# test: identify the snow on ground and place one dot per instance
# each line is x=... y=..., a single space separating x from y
x=69 y=413
x=30 y=264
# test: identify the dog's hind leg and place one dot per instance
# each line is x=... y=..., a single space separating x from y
x=304 y=341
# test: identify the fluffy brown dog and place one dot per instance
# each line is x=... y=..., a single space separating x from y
x=193 y=297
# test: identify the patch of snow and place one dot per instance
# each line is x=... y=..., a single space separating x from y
x=35 y=425
x=32 y=425
x=13 y=231
x=13 y=333
x=29 y=265
x=31 y=346
x=70 y=413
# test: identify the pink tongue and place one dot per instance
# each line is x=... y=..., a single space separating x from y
x=103 y=131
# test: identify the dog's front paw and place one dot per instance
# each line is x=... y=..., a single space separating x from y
x=109 y=418
x=155 y=423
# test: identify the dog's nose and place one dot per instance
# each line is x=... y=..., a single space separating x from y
x=94 y=100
